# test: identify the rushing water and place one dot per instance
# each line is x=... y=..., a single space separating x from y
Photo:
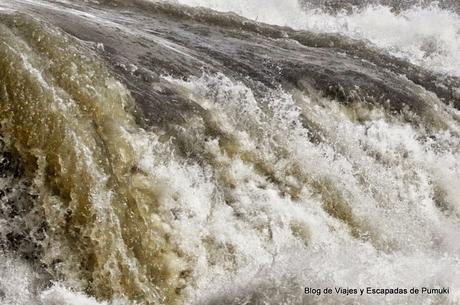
x=426 y=36
x=167 y=153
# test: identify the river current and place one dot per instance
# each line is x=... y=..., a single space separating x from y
x=229 y=152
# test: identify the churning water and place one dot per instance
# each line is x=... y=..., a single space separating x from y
x=167 y=153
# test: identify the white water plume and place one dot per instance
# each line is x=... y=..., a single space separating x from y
x=252 y=197
x=386 y=174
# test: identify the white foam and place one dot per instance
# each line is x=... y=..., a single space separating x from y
x=59 y=295
x=252 y=249
x=247 y=236
x=249 y=232
x=20 y=284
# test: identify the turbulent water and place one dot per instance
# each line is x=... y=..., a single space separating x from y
x=176 y=152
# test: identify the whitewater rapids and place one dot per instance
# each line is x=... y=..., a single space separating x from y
x=167 y=153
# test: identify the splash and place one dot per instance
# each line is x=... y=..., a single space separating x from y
x=249 y=197
x=269 y=193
